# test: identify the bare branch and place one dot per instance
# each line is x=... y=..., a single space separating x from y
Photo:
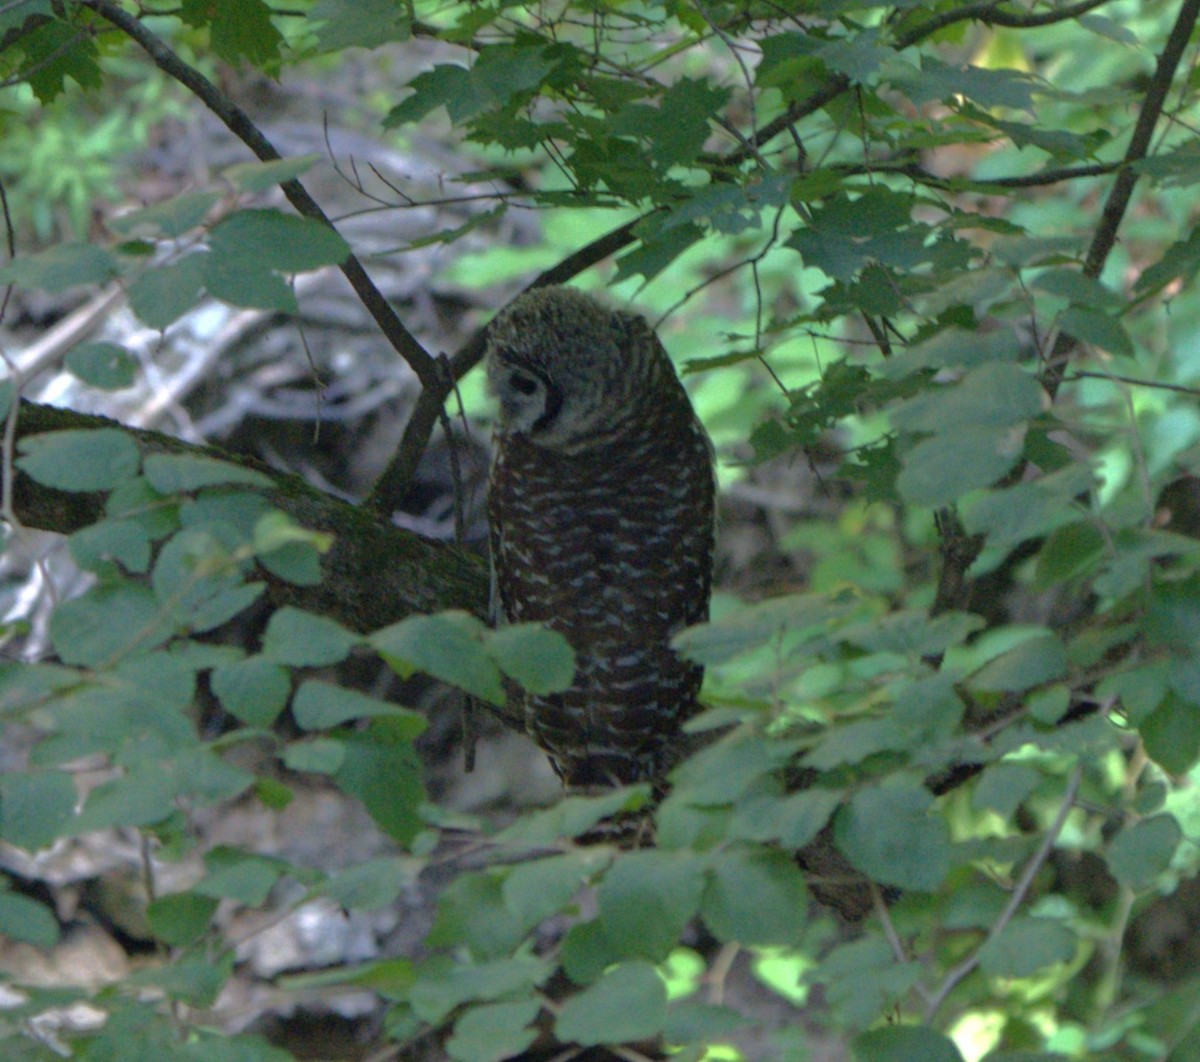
x=1105 y=237
x=237 y=121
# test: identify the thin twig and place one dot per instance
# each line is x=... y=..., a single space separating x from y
x=1020 y=891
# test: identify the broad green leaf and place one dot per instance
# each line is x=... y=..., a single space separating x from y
x=123 y=542
x=535 y=890
x=225 y=1048
x=360 y=23
x=494 y=1032
x=755 y=896
x=913 y=633
x=26 y=920
x=537 y=658
x=1101 y=329
x=199 y=582
x=256 y=177
x=940 y=469
x=195 y=979
x=35 y=807
x=172 y=217
x=288 y=551
x=176 y=473
x=1141 y=852
x=23 y=686
x=103 y=365
x=60 y=268
x=441 y=987
x=140 y=797
x=905 y=1043
x=571 y=816
x=253 y=690
x=107 y=621
x=181 y=918
x=302 y=639
x=80 y=459
x=646 y=900
x=382 y=770
x=954 y=348
x=888 y=833
x=792 y=821
x=267 y=239
x=1034 y=662
x=164 y=293
x=238 y=29
x=240 y=876
x=1025 y=946
x=315 y=756
x=1003 y=786
x=995 y=394
x=369 y=886
x=472 y=912
x=322 y=705
x=627 y=1004
x=238 y=277
x=1171 y=734
x=448 y=646
x=864 y=980
x=723 y=771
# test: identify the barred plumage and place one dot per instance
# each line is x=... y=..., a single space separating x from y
x=601 y=510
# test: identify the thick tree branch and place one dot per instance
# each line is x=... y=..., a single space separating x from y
x=1105 y=237
x=238 y=123
x=374 y=574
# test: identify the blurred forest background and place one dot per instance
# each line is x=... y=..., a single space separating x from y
x=927 y=271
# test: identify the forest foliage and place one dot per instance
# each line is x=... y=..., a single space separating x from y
x=956 y=249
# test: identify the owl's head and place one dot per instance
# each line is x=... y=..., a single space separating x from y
x=566 y=369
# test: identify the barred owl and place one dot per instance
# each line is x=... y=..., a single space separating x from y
x=601 y=511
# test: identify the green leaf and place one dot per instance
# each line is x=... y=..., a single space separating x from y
x=369 y=886
x=289 y=551
x=939 y=470
x=56 y=51
x=535 y=890
x=195 y=979
x=164 y=293
x=360 y=23
x=627 y=1004
x=1033 y=662
x=1025 y=946
x=792 y=821
x=1069 y=552
x=109 y=620
x=316 y=756
x=240 y=876
x=322 y=705
x=646 y=900
x=199 y=583
x=494 y=1032
x=1003 y=786
x=448 y=646
x=257 y=177
x=140 y=797
x=35 y=808
x=253 y=690
x=723 y=771
x=1171 y=734
x=995 y=394
x=238 y=29
x=570 y=817
x=60 y=268
x=171 y=218
x=864 y=980
x=1100 y=329
x=442 y=987
x=80 y=459
x=267 y=239
x=905 y=1043
x=1141 y=852
x=675 y=131
x=302 y=639
x=181 y=918
x=109 y=542
x=755 y=896
x=472 y=912
x=103 y=365
x=26 y=920
x=537 y=658
x=888 y=833
x=176 y=473
x=382 y=770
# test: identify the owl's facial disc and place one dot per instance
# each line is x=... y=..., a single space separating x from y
x=529 y=404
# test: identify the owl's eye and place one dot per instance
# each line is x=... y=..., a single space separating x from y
x=522 y=384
